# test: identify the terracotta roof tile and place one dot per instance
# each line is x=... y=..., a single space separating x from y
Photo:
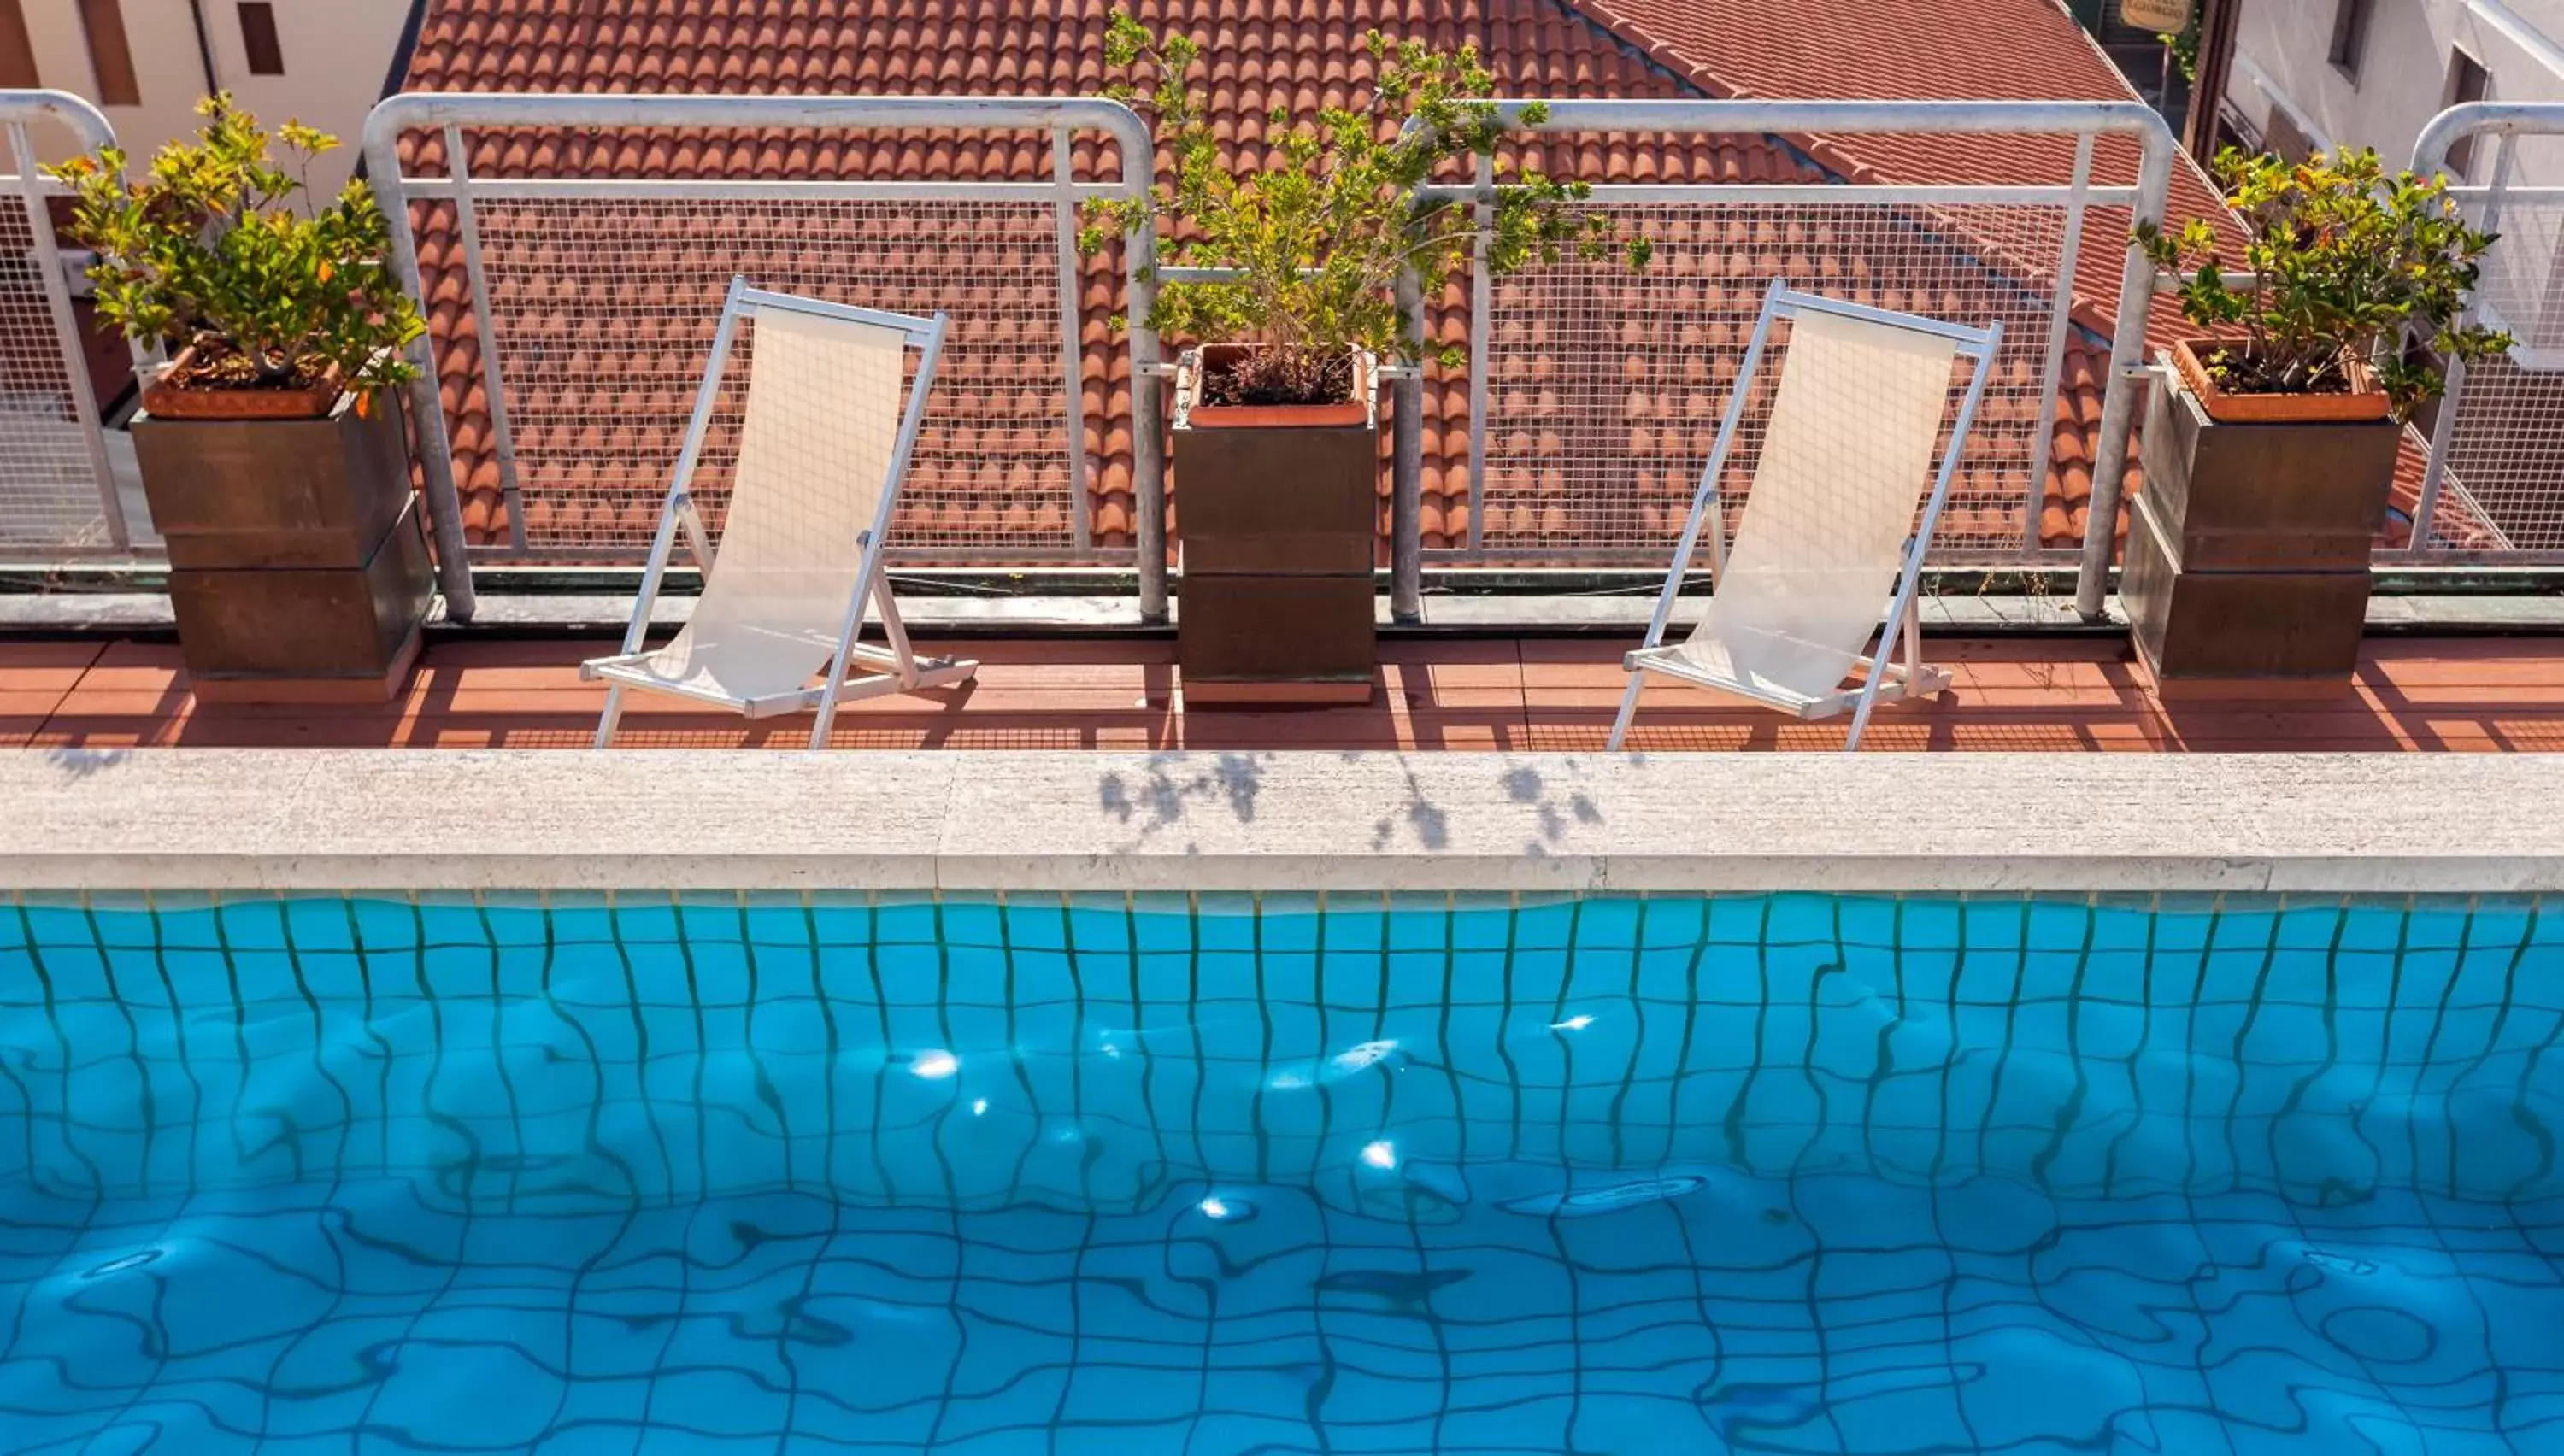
x=665 y=267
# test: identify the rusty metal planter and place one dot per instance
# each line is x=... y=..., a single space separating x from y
x=2247 y=549
x=1277 y=523
x=298 y=568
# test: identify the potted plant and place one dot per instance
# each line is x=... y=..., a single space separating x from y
x=1276 y=455
x=271 y=445
x=2269 y=459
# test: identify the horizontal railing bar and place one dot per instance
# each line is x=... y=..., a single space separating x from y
x=2468 y=557
x=996 y=556
x=711 y=188
x=412 y=111
x=1649 y=562
x=1189 y=272
x=2547 y=193
x=2478 y=118
x=1741 y=114
x=1811 y=194
x=89 y=124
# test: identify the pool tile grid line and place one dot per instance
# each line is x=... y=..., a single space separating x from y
x=1798 y=1173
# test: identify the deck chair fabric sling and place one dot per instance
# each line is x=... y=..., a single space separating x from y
x=1831 y=520
x=822 y=453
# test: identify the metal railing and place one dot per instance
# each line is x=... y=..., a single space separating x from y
x=563 y=301
x=58 y=482
x=2493 y=486
x=582 y=291
x=544 y=438
x=1586 y=385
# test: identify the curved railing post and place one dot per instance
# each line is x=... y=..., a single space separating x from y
x=426 y=399
x=91 y=130
x=2504 y=120
x=2127 y=357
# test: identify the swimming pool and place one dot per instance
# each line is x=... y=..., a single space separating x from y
x=1218 y=1174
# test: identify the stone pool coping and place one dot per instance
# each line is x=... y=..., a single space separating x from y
x=374 y=820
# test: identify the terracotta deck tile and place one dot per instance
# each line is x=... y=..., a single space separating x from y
x=69 y=730
x=1533 y=694
x=34 y=679
x=1440 y=685
x=33 y=666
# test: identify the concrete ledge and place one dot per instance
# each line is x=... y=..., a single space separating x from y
x=211 y=819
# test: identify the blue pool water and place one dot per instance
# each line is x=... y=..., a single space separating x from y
x=1790 y=1174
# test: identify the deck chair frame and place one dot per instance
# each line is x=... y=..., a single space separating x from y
x=896 y=667
x=1881 y=681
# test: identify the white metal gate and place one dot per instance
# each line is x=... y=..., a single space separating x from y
x=58 y=495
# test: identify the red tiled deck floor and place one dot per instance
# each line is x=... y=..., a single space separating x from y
x=2411 y=695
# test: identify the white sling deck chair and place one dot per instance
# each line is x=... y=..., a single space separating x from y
x=1831 y=517
x=821 y=457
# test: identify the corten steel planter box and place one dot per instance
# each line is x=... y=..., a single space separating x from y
x=298 y=568
x=1277 y=518
x=2247 y=549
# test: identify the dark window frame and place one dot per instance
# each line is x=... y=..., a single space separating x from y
x=262 y=45
x=17 y=49
x=110 y=52
x=2285 y=138
x=2349 y=36
x=2468 y=81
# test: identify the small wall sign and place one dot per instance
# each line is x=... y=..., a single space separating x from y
x=2167 y=17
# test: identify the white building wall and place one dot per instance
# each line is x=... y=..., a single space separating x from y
x=336 y=54
x=2282 y=66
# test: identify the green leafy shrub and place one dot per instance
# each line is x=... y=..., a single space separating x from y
x=2344 y=261
x=1321 y=239
x=209 y=249
x=2184 y=46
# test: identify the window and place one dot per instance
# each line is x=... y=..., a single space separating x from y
x=17 y=52
x=103 y=21
x=2285 y=138
x=2466 y=82
x=2350 y=35
x=258 y=37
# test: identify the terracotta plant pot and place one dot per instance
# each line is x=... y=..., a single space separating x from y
x=1276 y=508
x=1358 y=409
x=2248 y=549
x=2364 y=402
x=167 y=401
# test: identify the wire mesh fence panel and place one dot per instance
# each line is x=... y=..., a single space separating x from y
x=2503 y=487
x=602 y=311
x=2501 y=478
x=1605 y=387
x=49 y=470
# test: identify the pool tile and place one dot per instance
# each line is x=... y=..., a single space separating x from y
x=689 y=1170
